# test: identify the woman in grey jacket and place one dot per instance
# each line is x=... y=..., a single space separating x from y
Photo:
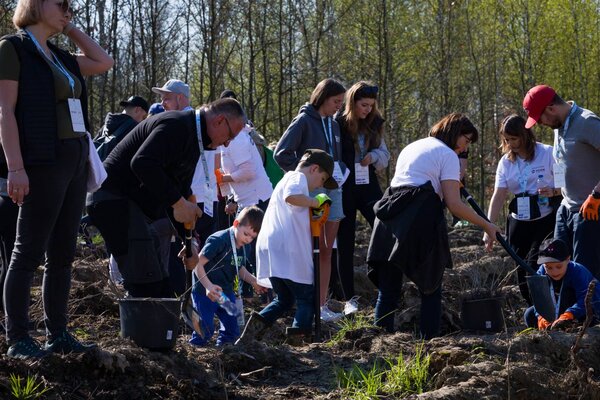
x=315 y=128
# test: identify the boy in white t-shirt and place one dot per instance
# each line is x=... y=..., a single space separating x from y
x=284 y=247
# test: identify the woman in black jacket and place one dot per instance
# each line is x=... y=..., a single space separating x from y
x=364 y=152
x=43 y=128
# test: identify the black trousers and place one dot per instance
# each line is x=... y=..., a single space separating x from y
x=135 y=245
x=9 y=212
x=525 y=238
x=354 y=198
x=47 y=226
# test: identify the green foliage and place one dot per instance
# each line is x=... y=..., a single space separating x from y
x=527 y=331
x=428 y=57
x=356 y=321
x=399 y=377
x=26 y=388
x=97 y=240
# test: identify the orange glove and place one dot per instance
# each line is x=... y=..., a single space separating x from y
x=542 y=323
x=219 y=175
x=589 y=209
x=562 y=321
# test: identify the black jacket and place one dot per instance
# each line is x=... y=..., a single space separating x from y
x=116 y=126
x=349 y=149
x=410 y=233
x=36 y=102
x=154 y=164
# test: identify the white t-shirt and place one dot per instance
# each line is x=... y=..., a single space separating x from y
x=284 y=246
x=521 y=176
x=425 y=160
x=242 y=161
x=198 y=183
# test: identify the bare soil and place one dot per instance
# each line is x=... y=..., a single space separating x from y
x=511 y=364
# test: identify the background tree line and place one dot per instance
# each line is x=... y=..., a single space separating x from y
x=429 y=57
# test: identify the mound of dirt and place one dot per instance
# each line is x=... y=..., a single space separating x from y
x=514 y=363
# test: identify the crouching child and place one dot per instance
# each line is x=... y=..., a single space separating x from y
x=570 y=281
x=284 y=246
x=222 y=259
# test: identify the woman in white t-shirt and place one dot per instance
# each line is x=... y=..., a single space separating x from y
x=409 y=235
x=531 y=217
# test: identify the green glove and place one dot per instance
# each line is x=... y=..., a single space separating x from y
x=323 y=199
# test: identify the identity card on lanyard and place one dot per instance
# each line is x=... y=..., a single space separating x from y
x=239 y=302
x=559 y=151
x=337 y=170
x=75 y=109
x=209 y=191
x=523 y=205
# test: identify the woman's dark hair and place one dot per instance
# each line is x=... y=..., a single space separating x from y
x=514 y=125
x=325 y=89
x=451 y=127
x=372 y=125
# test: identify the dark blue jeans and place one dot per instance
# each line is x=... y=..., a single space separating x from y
x=582 y=236
x=287 y=293
x=47 y=229
x=390 y=286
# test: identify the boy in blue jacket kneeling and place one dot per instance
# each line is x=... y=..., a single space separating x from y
x=570 y=281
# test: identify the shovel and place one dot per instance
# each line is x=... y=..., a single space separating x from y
x=539 y=285
x=191 y=317
x=316 y=222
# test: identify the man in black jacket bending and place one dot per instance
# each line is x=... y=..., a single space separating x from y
x=149 y=176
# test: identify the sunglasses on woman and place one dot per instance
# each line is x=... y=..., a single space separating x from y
x=367 y=91
x=65 y=6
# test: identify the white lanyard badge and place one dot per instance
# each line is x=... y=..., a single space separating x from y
x=208 y=194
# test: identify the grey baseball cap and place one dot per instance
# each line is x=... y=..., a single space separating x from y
x=173 y=86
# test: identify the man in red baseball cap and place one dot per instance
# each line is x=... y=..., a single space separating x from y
x=576 y=171
x=535 y=103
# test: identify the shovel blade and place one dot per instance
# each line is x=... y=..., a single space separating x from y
x=191 y=317
x=539 y=289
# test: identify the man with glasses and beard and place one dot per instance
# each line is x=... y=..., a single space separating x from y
x=149 y=177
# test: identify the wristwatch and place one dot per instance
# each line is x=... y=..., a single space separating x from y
x=596 y=195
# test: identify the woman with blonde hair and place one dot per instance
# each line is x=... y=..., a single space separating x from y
x=43 y=125
x=531 y=217
x=364 y=152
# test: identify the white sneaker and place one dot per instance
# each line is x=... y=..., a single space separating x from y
x=329 y=316
x=351 y=306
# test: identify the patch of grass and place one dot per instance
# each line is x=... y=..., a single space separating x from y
x=97 y=240
x=527 y=331
x=26 y=388
x=360 y=384
x=80 y=333
x=399 y=377
x=357 y=321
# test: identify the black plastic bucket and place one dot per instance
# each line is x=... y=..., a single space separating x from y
x=150 y=323
x=483 y=314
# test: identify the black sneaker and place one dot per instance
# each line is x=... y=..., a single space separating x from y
x=66 y=343
x=27 y=348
